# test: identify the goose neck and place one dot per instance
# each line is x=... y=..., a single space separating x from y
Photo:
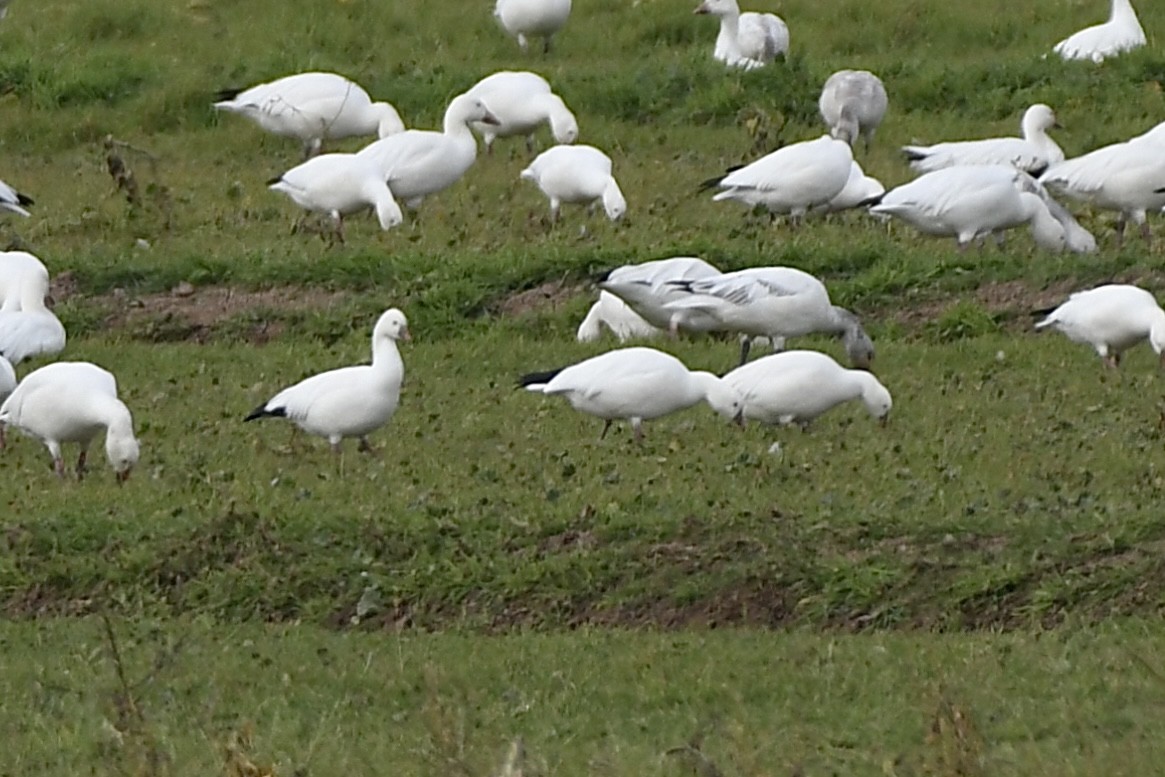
x=385 y=352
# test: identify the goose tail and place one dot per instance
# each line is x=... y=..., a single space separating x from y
x=536 y=381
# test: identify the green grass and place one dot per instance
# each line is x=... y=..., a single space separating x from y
x=304 y=701
x=1018 y=486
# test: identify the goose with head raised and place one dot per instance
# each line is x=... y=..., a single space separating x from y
x=746 y=40
x=349 y=401
x=417 y=163
x=635 y=384
x=72 y=402
x=1122 y=32
x=313 y=108
x=1032 y=153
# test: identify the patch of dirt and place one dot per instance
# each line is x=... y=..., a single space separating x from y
x=189 y=313
x=547 y=296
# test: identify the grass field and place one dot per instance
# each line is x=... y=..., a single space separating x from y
x=972 y=590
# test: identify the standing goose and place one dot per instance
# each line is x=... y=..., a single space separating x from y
x=576 y=174
x=417 y=163
x=853 y=103
x=616 y=315
x=73 y=402
x=774 y=302
x=859 y=190
x=526 y=19
x=792 y=179
x=349 y=401
x=522 y=102
x=1112 y=319
x=312 y=107
x=747 y=40
x=27 y=327
x=1122 y=32
x=973 y=201
x=794 y=387
x=340 y=184
x=1032 y=153
x=648 y=288
x=636 y=384
x=1126 y=177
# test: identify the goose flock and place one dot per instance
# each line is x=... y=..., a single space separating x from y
x=971 y=190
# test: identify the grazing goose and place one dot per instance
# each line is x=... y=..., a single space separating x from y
x=859 y=189
x=13 y=201
x=617 y=316
x=27 y=327
x=973 y=201
x=1032 y=153
x=7 y=386
x=790 y=180
x=576 y=174
x=522 y=102
x=417 y=163
x=1111 y=319
x=1126 y=177
x=312 y=107
x=636 y=384
x=73 y=402
x=794 y=387
x=853 y=103
x=340 y=184
x=747 y=40
x=526 y=19
x=1122 y=32
x=773 y=302
x=647 y=289
x=349 y=401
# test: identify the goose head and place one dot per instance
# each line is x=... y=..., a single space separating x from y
x=721 y=396
x=392 y=325
x=563 y=124
x=613 y=201
x=121 y=448
x=465 y=109
x=876 y=397
x=718 y=8
x=1156 y=339
x=1038 y=119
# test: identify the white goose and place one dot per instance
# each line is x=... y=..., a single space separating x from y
x=522 y=102
x=340 y=184
x=526 y=19
x=15 y=268
x=1122 y=32
x=1126 y=177
x=1112 y=319
x=576 y=174
x=647 y=289
x=1032 y=153
x=312 y=107
x=777 y=303
x=417 y=163
x=794 y=387
x=636 y=384
x=27 y=327
x=68 y=402
x=973 y=201
x=747 y=40
x=853 y=103
x=13 y=201
x=350 y=401
x=859 y=189
x=7 y=386
x=790 y=180
x=614 y=314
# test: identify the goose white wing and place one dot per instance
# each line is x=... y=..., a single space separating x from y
x=744 y=288
x=1015 y=152
x=407 y=154
x=25 y=335
x=791 y=167
x=298 y=401
x=762 y=36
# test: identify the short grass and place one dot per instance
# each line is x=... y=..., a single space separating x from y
x=194 y=698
